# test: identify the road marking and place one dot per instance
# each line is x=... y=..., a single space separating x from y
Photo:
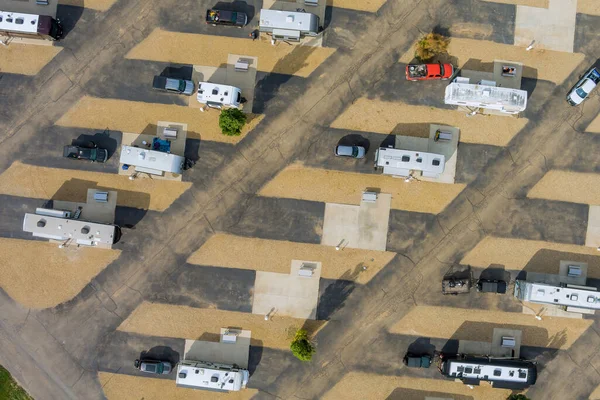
x=39 y=275
x=176 y=321
x=209 y=50
x=330 y=186
x=71 y=185
x=26 y=59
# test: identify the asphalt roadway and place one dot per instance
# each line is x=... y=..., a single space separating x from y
x=57 y=352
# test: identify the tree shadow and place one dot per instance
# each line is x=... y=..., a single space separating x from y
x=333 y=294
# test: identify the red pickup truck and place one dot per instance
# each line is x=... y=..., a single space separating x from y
x=426 y=72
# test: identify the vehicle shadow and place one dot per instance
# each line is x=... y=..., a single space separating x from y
x=103 y=140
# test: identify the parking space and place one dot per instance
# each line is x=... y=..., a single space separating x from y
x=212 y=51
x=38 y=274
x=71 y=185
x=275 y=255
x=205 y=324
x=298 y=182
x=398 y=118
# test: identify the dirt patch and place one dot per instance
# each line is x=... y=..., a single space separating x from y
x=383 y=117
x=71 y=185
x=530 y=3
x=470 y=324
x=99 y=5
x=26 y=59
x=276 y=256
x=515 y=254
x=591 y=7
x=297 y=182
x=203 y=323
x=367 y=5
x=574 y=187
x=126 y=387
x=39 y=274
x=359 y=385
x=553 y=66
x=594 y=127
x=211 y=50
x=479 y=31
x=139 y=117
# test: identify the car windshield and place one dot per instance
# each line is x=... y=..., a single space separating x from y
x=354 y=151
x=581 y=93
x=181 y=86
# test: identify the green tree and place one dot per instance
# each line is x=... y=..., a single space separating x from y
x=517 y=397
x=301 y=346
x=231 y=121
x=430 y=46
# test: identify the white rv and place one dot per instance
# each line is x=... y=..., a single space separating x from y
x=219 y=96
x=288 y=25
x=400 y=162
x=211 y=376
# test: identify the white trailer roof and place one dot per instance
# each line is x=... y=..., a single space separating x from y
x=487 y=372
x=12 y=21
x=196 y=375
x=400 y=162
x=151 y=160
x=507 y=100
x=299 y=21
x=81 y=232
x=216 y=93
x=570 y=296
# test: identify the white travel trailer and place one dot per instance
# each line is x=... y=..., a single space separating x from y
x=211 y=376
x=219 y=96
x=400 y=162
x=288 y=25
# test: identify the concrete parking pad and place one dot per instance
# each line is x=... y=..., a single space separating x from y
x=127 y=387
x=38 y=274
x=274 y=256
x=515 y=254
x=26 y=59
x=138 y=117
x=552 y=28
x=542 y=64
x=360 y=385
x=472 y=324
x=385 y=117
x=99 y=5
x=359 y=227
x=592 y=237
x=204 y=323
x=187 y=48
x=71 y=185
x=574 y=187
x=367 y=5
x=327 y=186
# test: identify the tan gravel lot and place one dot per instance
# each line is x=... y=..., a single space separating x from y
x=276 y=256
x=359 y=385
x=530 y=3
x=553 y=66
x=594 y=127
x=568 y=186
x=205 y=324
x=38 y=274
x=26 y=59
x=471 y=324
x=591 y=7
x=71 y=185
x=212 y=50
x=366 y=5
x=515 y=254
x=298 y=182
x=99 y=5
x=126 y=387
x=139 y=117
x=373 y=115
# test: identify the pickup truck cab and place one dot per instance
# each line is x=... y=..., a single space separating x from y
x=93 y=154
x=584 y=87
x=172 y=85
x=417 y=360
x=427 y=72
x=228 y=18
x=491 y=286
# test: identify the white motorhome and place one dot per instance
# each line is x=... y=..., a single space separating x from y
x=211 y=376
x=219 y=96
x=288 y=25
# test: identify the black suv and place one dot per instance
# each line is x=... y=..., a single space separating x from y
x=222 y=17
x=491 y=286
x=92 y=153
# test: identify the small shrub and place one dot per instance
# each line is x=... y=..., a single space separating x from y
x=231 y=121
x=430 y=46
x=301 y=347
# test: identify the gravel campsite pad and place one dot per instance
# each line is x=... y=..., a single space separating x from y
x=570 y=186
x=26 y=59
x=98 y=5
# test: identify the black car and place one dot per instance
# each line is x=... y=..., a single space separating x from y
x=230 y=18
x=92 y=153
x=417 y=360
x=491 y=286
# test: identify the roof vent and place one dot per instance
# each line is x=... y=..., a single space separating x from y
x=182 y=375
x=289 y=19
x=85 y=230
x=41 y=223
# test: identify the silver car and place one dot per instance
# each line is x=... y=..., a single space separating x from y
x=173 y=85
x=350 y=151
x=153 y=367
